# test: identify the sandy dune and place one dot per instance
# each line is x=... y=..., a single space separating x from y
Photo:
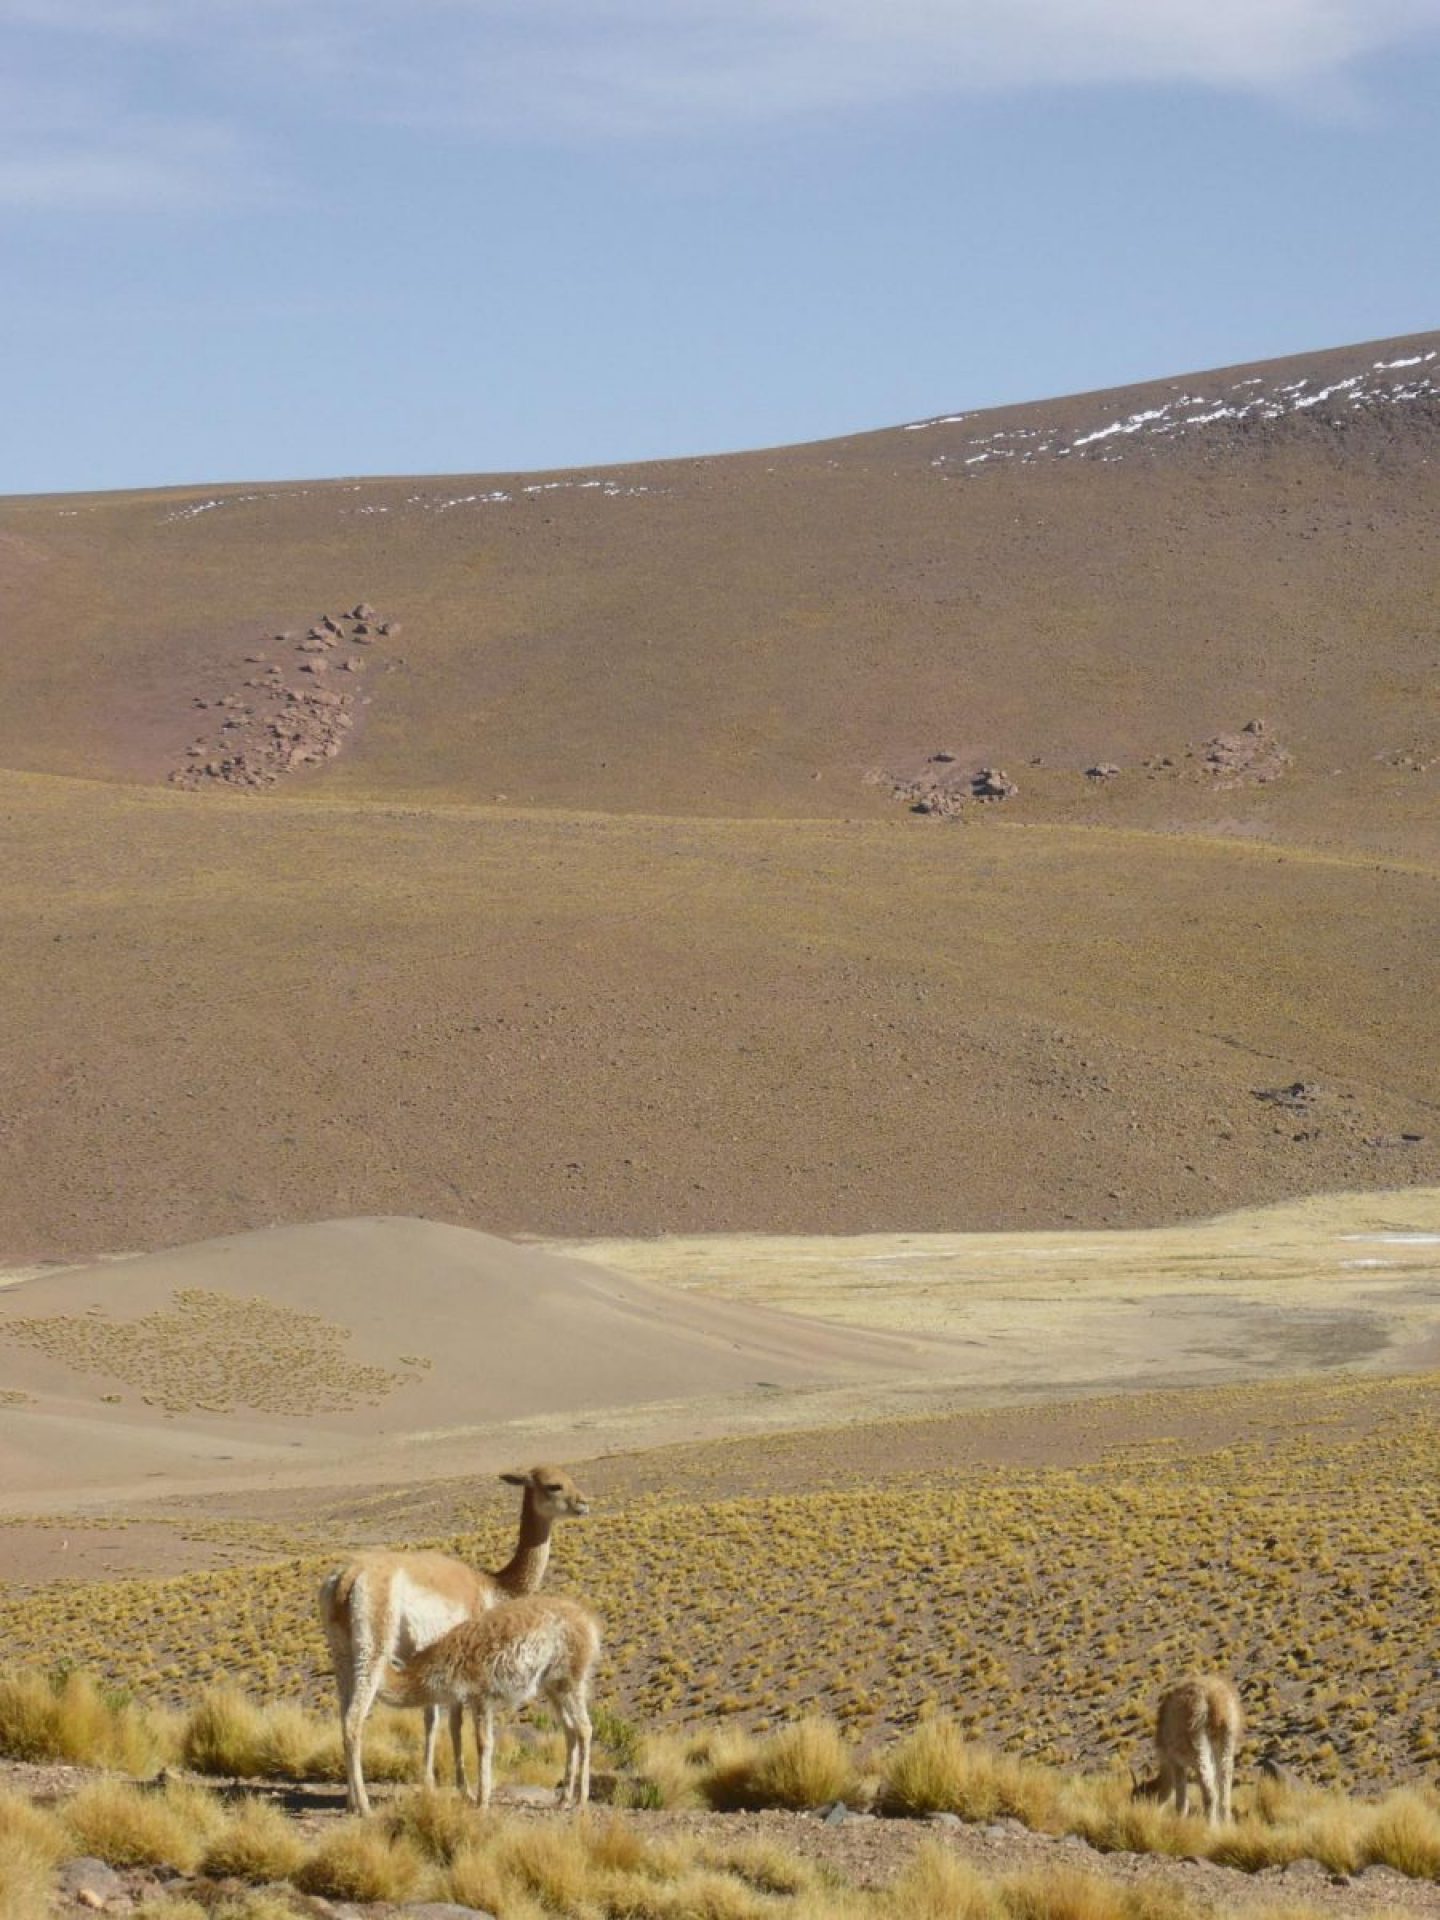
x=350 y=1341
x=359 y=1351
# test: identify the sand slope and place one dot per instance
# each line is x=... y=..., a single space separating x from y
x=347 y=1336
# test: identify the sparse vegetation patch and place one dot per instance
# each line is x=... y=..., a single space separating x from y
x=212 y=1352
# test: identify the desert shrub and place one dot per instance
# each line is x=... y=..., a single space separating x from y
x=938 y=1886
x=1404 y=1834
x=766 y=1867
x=440 y=1825
x=256 y=1843
x=1068 y=1893
x=359 y=1860
x=804 y=1765
x=229 y=1737
x=619 y=1737
x=69 y=1717
x=1103 y=1813
x=1249 y=1845
x=668 y=1774
x=30 y=1844
x=26 y=1828
x=936 y=1770
x=129 y=1826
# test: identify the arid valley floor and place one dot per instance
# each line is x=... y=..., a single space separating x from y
x=878 y=1002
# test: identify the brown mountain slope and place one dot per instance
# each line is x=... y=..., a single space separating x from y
x=702 y=965
x=222 y=1013
x=1042 y=589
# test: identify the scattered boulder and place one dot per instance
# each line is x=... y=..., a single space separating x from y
x=1250 y=756
x=277 y=727
x=1102 y=770
x=991 y=784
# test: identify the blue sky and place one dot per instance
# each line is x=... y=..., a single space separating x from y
x=258 y=239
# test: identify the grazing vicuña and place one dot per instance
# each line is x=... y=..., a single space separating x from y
x=1197 y=1729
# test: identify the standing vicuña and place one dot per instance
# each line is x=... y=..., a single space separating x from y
x=540 y=1644
x=384 y=1606
x=1197 y=1729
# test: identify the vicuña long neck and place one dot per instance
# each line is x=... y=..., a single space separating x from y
x=526 y=1567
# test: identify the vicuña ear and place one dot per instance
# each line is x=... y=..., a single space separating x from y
x=515 y=1479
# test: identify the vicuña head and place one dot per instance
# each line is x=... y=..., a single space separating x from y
x=551 y=1492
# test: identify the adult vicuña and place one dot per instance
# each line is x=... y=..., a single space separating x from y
x=1197 y=1729
x=538 y=1644
x=385 y=1606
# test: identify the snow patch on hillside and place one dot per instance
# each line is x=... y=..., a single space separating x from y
x=1251 y=399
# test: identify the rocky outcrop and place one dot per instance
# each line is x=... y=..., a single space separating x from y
x=274 y=725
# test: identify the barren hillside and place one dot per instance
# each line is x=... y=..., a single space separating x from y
x=1007 y=819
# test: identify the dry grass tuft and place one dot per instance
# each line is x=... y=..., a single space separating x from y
x=31 y=1842
x=936 y=1770
x=69 y=1717
x=1069 y=1893
x=129 y=1826
x=439 y=1825
x=805 y=1765
x=229 y=1737
x=258 y=1842
x=937 y=1886
x=359 y=1860
x=1404 y=1834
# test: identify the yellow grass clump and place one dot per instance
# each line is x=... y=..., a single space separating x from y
x=359 y=1860
x=31 y=1842
x=70 y=1717
x=256 y=1843
x=936 y=1770
x=1405 y=1834
x=805 y=1765
x=129 y=1826
x=229 y=1737
x=439 y=1825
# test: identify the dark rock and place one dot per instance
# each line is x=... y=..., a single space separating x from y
x=836 y=1815
x=1102 y=770
x=943 y=758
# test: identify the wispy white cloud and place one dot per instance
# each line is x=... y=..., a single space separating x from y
x=567 y=69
